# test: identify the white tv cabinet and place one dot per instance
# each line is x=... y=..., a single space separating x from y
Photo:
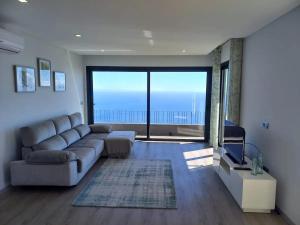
x=252 y=193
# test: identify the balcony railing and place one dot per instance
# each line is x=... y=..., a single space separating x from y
x=157 y=117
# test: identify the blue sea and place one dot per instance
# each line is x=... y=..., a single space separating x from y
x=166 y=107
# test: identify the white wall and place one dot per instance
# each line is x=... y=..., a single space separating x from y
x=171 y=61
x=271 y=91
x=78 y=72
x=19 y=109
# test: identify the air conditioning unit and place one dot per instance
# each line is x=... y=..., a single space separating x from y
x=10 y=43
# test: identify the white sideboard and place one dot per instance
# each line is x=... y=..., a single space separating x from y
x=252 y=193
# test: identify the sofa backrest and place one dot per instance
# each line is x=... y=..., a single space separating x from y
x=56 y=143
x=62 y=124
x=75 y=119
x=37 y=133
x=55 y=134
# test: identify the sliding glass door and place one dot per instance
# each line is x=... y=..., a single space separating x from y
x=178 y=105
x=157 y=103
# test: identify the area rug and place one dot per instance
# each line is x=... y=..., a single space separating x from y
x=130 y=183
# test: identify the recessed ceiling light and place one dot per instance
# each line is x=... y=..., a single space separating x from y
x=78 y=35
x=183 y=51
x=23 y=1
x=151 y=42
x=102 y=50
x=147 y=33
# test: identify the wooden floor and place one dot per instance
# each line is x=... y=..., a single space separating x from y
x=202 y=199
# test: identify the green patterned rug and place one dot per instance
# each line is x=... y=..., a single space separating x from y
x=130 y=183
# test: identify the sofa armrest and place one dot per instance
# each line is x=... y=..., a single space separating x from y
x=48 y=157
x=25 y=174
x=101 y=128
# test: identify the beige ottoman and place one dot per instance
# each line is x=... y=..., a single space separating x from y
x=118 y=144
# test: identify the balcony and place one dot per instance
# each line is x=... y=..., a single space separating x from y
x=163 y=124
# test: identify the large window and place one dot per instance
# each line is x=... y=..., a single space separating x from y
x=158 y=103
x=120 y=98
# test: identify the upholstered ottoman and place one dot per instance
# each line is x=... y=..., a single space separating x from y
x=117 y=144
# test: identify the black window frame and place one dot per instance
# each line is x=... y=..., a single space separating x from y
x=224 y=66
x=148 y=70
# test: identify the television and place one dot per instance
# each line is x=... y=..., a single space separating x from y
x=234 y=143
x=236 y=152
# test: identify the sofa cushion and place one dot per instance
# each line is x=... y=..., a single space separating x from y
x=54 y=143
x=85 y=155
x=96 y=136
x=97 y=145
x=70 y=136
x=62 y=124
x=83 y=130
x=101 y=128
x=50 y=157
x=35 y=134
x=75 y=119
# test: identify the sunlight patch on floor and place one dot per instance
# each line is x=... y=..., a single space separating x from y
x=199 y=163
x=198 y=153
x=199 y=158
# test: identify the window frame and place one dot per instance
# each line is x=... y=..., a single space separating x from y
x=224 y=66
x=148 y=70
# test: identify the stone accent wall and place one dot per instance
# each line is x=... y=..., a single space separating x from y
x=215 y=97
x=235 y=75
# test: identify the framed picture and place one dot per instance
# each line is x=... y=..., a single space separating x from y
x=24 y=79
x=59 y=81
x=44 y=71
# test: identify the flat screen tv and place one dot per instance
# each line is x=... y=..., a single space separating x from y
x=236 y=152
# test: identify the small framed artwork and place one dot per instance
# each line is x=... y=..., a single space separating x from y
x=59 y=81
x=24 y=79
x=44 y=71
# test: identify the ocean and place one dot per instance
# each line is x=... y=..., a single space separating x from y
x=166 y=107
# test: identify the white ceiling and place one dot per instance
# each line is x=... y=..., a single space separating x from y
x=197 y=26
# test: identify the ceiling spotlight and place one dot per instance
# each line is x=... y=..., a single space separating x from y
x=102 y=50
x=147 y=34
x=183 y=51
x=23 y=1
x=151 y=42
x=78 y=35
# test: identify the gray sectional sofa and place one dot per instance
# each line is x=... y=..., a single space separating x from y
x=59 y=152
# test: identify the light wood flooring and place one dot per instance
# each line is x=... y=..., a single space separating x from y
x=202 y=198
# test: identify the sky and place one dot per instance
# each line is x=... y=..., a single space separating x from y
x=160 y=81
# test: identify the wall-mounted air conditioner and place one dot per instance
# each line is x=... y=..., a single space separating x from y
x=10 y=43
